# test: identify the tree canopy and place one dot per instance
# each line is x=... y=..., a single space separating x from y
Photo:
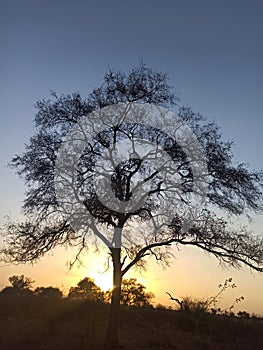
x=48 y=292
x=134 y=293
x=124 y=187
x=21 y=282
x=86 y=289
x=20 y=286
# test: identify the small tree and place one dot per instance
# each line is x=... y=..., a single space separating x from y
x=21 y=282
x=86 y=289
x=20 y=286
x=209 y=304
x=104 y=188
x=134 y=293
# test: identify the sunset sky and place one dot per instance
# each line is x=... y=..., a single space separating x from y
x=212 y=52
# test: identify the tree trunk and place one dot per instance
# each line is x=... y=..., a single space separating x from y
x=112 y=332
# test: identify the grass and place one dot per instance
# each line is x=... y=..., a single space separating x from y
x=36 y=324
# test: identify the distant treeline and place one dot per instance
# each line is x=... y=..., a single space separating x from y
x=133 y=293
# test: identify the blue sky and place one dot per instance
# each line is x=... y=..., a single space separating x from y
x=212 y=52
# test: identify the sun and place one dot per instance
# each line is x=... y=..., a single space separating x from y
x=103 y=280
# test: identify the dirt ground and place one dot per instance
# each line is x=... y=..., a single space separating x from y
x=52 y=334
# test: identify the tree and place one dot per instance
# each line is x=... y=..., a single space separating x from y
x=134 y=294
x=20 y=286
x=210 y=303
x=86 y=289
x=21 y=282
x=48 y=292
x=76 y=194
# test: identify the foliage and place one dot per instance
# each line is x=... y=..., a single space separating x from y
x=243 y=314
x=209 y=304
x=133 y=293
x=213 y=301
x=86 y=289
x=21 y=282
x=132 y=236
x=48 y=292
x=70 y=324
x=194 y=311
x=233 y=188
x=20 y=286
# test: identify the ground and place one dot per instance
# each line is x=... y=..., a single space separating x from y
x=68 y=325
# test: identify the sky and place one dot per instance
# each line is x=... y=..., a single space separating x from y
x=212 y=52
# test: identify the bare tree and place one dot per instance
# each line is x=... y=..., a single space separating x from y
x=112 y=185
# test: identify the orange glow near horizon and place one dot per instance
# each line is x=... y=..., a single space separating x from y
x=192 y=274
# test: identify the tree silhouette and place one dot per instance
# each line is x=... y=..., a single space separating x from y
x=134 y=293
x=98 y=191
x=21 y=282
x=86 y=289
x=48 y=292
x=20 y=286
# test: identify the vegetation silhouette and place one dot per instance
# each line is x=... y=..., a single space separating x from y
x=20 y=286
x=209 y=304
x=47 y=320
x=87 y=290
x=48 y=292
x=196 y=309
x=132 y=236
x=134 y=294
